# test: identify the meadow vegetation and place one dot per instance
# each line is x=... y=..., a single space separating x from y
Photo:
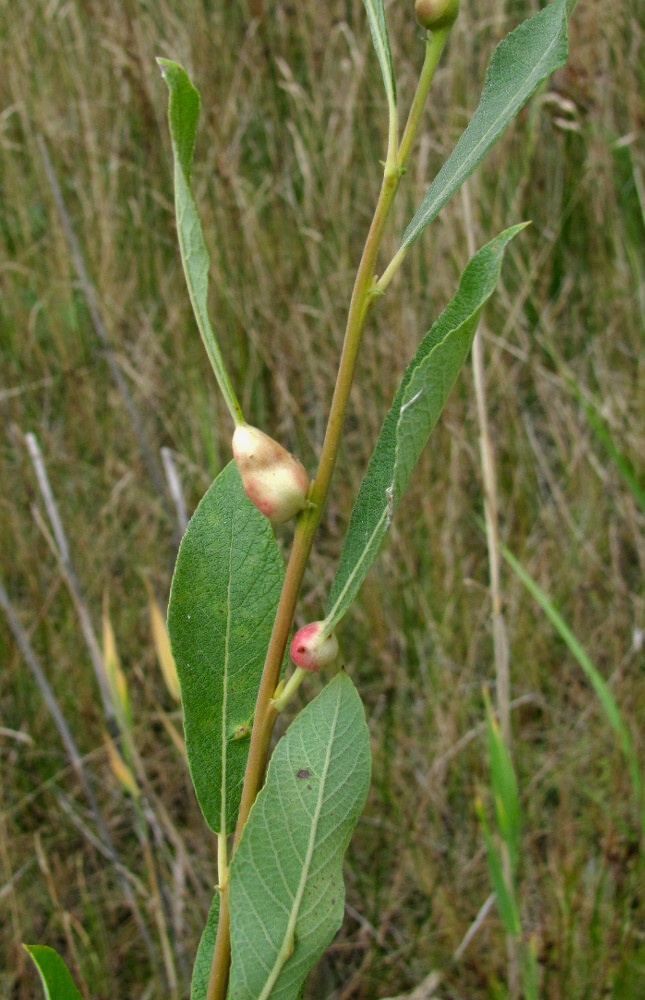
x=286 y=176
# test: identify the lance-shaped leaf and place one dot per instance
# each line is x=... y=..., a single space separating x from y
x=519 y=64
x=378 y=27
x=224 y=594
x=55 y=976
x=505 y=791
x=183 y=112
x=286 y=889
x=415 y=410
x=204 y=958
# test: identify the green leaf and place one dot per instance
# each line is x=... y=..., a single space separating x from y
x=224 y=594
x=56 y=979
x=286 y=889
x=604 y=435
x=204 y=957
x=417 y=406
x=378 y=27
x=183 y=112
x=505 y=792
x=519 y=64
x=504 y=894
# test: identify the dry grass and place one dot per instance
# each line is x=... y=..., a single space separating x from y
x=287 y=173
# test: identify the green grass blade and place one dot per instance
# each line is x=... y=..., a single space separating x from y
x=183 y=112
x=594 y=677
x=623 y=464
x=519 y=64
x=504 y=785
x=225 y=590
x=286 y=884
x=417 y=405
x=505 y=897
x=55 y=976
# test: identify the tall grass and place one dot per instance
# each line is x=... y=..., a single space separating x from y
x=286 y=175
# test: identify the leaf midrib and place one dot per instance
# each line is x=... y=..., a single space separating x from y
x=286 y=950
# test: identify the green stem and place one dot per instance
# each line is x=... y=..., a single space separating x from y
x=286 y=691
x=391 y=161
x=390 y=271
x=435 y=42
x=265 y=709
x=365 y=291
x=222 y=859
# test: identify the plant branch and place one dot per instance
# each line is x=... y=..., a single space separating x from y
x=435 y=43
x=265 y=709
x=363 y=294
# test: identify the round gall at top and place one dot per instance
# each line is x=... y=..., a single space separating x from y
x=436 y=15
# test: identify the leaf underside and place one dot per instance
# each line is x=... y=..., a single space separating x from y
x=204 y=957
x=378 y=27
x=417 y=405
x=286 y=884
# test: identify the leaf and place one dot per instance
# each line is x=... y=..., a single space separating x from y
x=204 y=958
x=378 y=27
x=286 y=888
x=183 y=112
x=505 y=894
x=224 y=593
x=55 y=976
x=415 y=410
x=604 y=435
x=505 y=792
x=519 y=64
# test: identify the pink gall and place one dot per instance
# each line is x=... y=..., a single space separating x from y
x=312 y=648
x=272 y=478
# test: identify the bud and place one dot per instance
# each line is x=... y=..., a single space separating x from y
x=273 y=479
x=312 y=648
x=436 y=15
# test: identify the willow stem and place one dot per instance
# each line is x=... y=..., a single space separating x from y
x=364 y=292
x=435 y=42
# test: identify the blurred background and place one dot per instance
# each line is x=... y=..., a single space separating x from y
x=107 y=396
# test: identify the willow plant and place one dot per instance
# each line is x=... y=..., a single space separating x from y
x=283 y=824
